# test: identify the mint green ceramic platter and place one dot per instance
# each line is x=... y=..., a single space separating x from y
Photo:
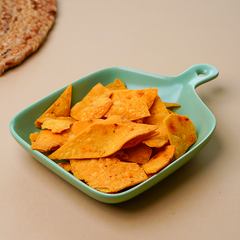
x=179 y=89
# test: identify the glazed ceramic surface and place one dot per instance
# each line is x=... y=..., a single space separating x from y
x=178 y=89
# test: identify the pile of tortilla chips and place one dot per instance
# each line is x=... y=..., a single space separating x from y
x=114 y=138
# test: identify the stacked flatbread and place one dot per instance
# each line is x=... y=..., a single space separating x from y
x=24 y=25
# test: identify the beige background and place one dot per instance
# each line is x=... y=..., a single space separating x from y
x=199 y=201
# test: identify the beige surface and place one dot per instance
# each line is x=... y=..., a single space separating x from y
x=199 y=201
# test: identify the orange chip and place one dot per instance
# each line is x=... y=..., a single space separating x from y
x=155 y=141
x=171 y=105
x=101 y=140
x=94 y=105
x=170 y=112
x=139 y=154
x=96 y=109
x=79 y=126
x=108 y=175
x=57 y=125
x=33 y=137
x=48 y=141
x=158 y=113
x=60 y=108
x=133 y=109
x=181 y=132
x=118 y=120
x=141 y=138
x=66 y=166
x=116 y=85
x=120 y=155
x=147 y=95
x=81 y=167
x=160 y=160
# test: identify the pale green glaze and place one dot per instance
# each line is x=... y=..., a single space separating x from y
x=179 y=89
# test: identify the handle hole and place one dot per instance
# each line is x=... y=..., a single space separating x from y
x=201 y=74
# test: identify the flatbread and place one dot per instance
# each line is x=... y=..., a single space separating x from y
x=24 y=25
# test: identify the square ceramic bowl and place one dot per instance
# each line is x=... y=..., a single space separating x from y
x=179 y=89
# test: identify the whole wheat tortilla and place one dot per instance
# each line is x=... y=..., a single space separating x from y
x=24 y=25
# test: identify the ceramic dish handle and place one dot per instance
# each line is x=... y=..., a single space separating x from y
x=199 y=74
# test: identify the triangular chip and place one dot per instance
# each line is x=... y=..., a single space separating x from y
x=133 y=109
x=120 y=154
x=147 y=95
x=160 y=160
x=171 y=105
x=158 y=113
x=181 y=132
x=33 y=137
x=59 y=124
x=118 y=120
x=94 y=110
x=135 y=141
x=60 y=108
x=79 y=126
x=139 y=154
x=94 y=105
x=108 y=175
x=48 y=141
x=101 y=140
x=66 y=166
x=116 y=85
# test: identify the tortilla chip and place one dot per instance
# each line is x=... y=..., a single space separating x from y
x=155 y=141
x=57 y=125
x=171 y=112
x=135 y=141
x=81 y=167
x=94 y=105
x=139 y=154
x=79 y=126
x=181 y=132
x=118 y=120
x=116 y=85
x=120 y=155
x=147 y=95
x=48 y=141
x=60 y=108
x=160 y=160
x=108 y=175
x=33 y=137
x=171 y=105
x=101 y=140
x=66 y=166
x=158 y=113
x=133 y=109
x=96 y=109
